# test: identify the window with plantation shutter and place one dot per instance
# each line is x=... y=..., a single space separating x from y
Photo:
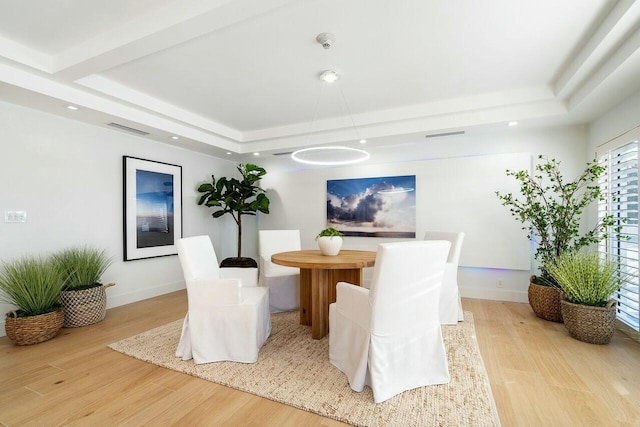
x=620 y=185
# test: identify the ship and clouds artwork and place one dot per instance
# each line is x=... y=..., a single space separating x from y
x=373 y=207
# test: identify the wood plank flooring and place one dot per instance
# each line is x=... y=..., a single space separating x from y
x=539 y=375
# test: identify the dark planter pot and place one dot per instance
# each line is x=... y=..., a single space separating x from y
x=545 y=302
x=585 y=323
x=239 y=263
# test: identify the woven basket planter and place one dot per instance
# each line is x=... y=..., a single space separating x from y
x=545 y=302
x=84 y=307
x=594 y=325
x=33 y=329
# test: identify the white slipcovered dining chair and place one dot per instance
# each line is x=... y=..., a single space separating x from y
x=227 y=318
x=283 y=282
x=450 y=302
x=389 y=336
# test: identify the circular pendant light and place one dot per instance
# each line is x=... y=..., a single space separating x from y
x=330 y=156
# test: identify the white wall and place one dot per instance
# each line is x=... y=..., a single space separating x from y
x=618 y=120
x=67 y=176
x=298 y=198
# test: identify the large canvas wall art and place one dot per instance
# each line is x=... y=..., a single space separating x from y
x=373 y=207
x=152 y=208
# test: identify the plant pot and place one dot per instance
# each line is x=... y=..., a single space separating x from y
x=242 y=262
x=590 y=324
x=33 y=329
x=84 y=307
x=330 y=245
x=545 y=302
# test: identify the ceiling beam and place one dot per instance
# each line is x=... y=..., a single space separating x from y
x=161 y=29
x=602 y=39
x=622 y=54
x=127 y=94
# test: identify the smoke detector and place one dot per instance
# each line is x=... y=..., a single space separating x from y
x=325 y=39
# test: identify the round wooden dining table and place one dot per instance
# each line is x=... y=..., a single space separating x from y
x=319 y=275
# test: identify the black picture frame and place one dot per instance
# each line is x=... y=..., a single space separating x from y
x=152 y=208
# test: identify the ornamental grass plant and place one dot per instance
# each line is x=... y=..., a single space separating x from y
x=585 y=277
x=82 y=267
x=32 y=284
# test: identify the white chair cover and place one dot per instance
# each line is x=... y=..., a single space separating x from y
x=227 y=319
x=450 y=302
x=283 y=282
x=389 y=337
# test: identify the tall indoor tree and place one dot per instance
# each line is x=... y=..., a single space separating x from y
x=551 y=208
x=237 y=198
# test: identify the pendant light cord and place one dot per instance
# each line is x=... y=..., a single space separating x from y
x=353 y=123
x=315 y=113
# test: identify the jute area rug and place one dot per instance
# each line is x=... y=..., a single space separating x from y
x=294 y=369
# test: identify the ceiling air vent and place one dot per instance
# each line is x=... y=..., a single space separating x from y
x=439 y=135
x=283 y=154
x=127 y=128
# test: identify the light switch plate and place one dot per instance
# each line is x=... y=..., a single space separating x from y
x=15 y=216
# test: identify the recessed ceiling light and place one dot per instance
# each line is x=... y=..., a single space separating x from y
x=329 y=76
x=228 y=153
x=363 y=141
x=72 y=107
x=512 y=123
x=256 y=154
x=175 y=137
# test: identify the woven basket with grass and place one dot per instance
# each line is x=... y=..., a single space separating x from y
x=85 y=306
x=545 y=302
x=590 y=324
x=29 y=330
x=588 y=282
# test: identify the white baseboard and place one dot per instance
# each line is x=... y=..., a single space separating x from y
x=118 y=300
x=494 y=294
x=143 y=294
x=465 y=292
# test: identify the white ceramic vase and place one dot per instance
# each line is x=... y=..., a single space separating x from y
x=330 y=245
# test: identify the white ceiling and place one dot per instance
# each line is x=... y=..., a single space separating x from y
x=241 y=76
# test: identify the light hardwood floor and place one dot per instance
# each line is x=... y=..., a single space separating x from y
x=540 y=377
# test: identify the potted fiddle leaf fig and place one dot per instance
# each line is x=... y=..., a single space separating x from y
x=550 y=209
x=588 y=283
x=33 y=285
x=237 y=197
x=329 y=241
x=83 y=298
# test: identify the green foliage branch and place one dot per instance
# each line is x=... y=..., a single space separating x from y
x=236 y=197
x=551 y=208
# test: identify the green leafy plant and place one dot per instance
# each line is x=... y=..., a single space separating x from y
x=82 y=267
x=586 y=278
x=551 y=209
x=236 y=197
x=32 y=284
x=329 y=232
